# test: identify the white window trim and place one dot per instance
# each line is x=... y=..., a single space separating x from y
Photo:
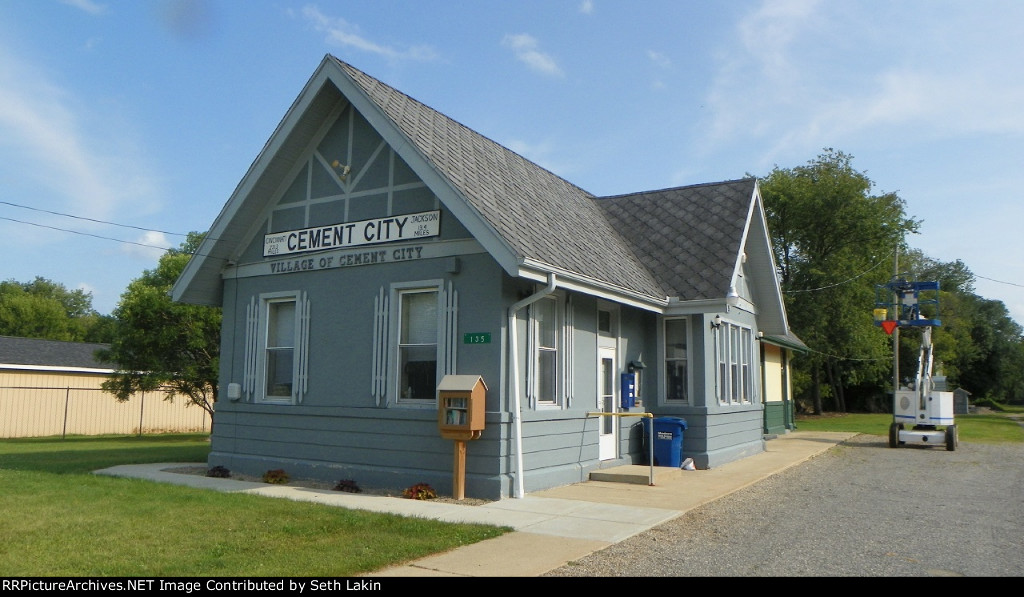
x=741 y=358
x=563 y=332
x=610 y=339
x=444 y=316
x=665 y=360
x=256 y=360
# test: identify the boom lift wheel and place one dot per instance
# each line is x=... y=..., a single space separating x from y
x=894 y=435
x=952 y=438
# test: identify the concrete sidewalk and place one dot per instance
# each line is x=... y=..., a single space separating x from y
x=554 y=526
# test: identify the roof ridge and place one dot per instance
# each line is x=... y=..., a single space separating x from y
x=460 y=124
x=681 y=187
x=4 y=337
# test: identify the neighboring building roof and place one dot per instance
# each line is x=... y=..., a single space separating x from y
x=40 y=354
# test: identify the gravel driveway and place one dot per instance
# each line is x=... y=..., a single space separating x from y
x=860 y=509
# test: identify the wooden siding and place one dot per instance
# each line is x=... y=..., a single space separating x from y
x=773 y=378
x=44 y=404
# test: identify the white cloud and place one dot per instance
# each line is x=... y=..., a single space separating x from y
x=812 y=73
x=342 y=33
x=47 y=147
x=87 y=6
x=150 y=245
x=525 y=47
x=659 y=59
x=587 y=7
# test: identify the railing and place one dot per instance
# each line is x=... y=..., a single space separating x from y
x=650 y=440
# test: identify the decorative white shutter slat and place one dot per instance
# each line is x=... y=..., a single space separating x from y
x=251 y=337
x=379 y=368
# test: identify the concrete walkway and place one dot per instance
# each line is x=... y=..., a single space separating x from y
x=554 y=526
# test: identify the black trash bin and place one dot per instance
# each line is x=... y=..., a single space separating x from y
x=668 y=440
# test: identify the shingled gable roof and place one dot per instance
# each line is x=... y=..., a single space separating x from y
x=41 y=354
x=694 y=240
x=532 y=221
x=548 y=223
x=689 y=237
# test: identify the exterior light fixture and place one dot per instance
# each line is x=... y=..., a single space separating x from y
x=732 y=298
x=342 y=169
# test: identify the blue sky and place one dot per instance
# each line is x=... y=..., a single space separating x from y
x=147 y=113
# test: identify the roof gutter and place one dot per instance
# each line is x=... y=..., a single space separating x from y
x=517 y=419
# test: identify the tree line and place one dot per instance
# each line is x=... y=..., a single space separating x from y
x=836 y=242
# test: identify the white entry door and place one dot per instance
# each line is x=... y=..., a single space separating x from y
x=607 y=401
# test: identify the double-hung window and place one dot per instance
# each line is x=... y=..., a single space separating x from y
x=546 y=318
x=677 y=378
x=735 y=364
x=277 y=337
x=417 y=344
x=413 y=346
x=279 y=356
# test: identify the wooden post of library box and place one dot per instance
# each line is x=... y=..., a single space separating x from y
x=460 y=416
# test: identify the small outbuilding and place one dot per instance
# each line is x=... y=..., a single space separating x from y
x=54 y=387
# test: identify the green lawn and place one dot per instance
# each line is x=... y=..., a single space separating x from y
x=994 y=427
x=60 y=519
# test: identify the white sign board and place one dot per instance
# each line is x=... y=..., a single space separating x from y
x=353 y=234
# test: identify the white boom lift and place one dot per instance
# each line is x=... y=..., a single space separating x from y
x=920 y=410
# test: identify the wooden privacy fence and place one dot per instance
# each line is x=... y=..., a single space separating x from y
x=45 y=411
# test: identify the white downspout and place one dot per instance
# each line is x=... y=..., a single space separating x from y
x=516 y=393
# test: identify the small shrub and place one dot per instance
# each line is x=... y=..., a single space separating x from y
x=420 y=491
x=219 y=472
x=347 y=485
x=276 y=476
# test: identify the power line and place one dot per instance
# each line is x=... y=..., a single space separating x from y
x=999 y=281
x=118 y=240
x=57 y=213
x=846 y=281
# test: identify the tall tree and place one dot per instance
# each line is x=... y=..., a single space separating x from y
x=46 y=309
x=834 y=241
x=978 y=345
x=162 y=344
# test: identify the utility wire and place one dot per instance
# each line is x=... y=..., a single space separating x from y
x=57 y=213
x=66 y=215
x=999 y=281
x=118 y=240
x=846 y=281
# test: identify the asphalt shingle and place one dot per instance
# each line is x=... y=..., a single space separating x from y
x=50 y=353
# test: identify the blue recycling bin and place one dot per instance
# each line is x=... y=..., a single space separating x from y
x=668 y=440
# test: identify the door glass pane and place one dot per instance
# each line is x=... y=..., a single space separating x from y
x=607 y=394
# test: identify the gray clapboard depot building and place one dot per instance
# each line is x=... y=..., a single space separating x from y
x=376 y=245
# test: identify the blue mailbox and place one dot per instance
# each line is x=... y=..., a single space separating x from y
x=627 y=394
